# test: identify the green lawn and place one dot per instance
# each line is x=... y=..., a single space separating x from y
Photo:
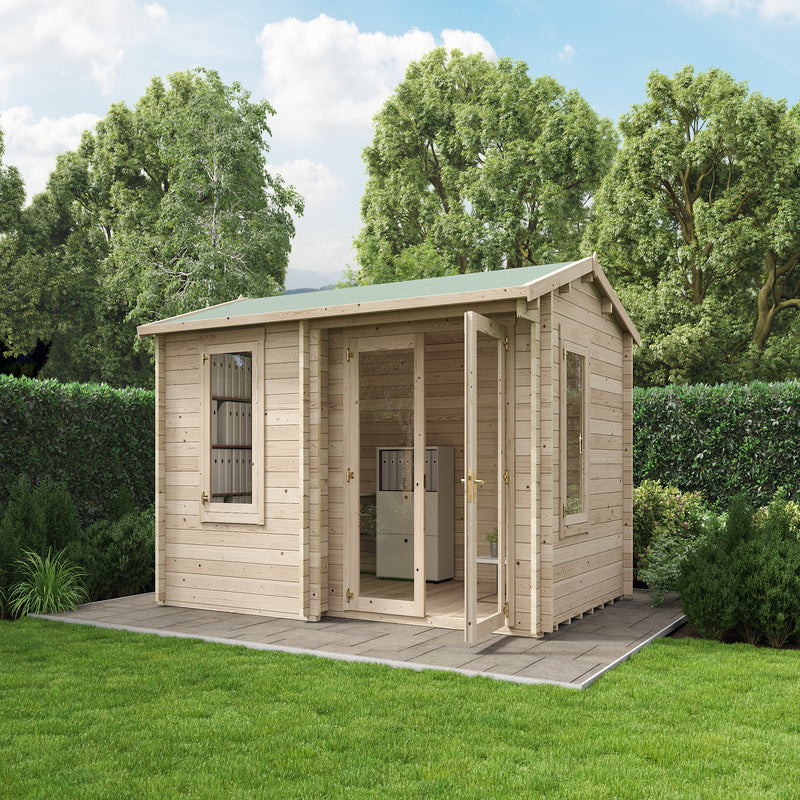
x=88 y=713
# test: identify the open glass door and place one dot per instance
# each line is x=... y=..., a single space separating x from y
x=385 y=564
x=484 y=485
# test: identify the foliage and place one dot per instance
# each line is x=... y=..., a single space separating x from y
x=118 y=555
x=667 y=526
x=12 y=194
x=49 y=584
x=719 y=440
x=777 y=604
x=97 y=441
x=709 y=586
x=89 y=713
x=37 y=518
x=744 y=579
x=663 y=511
x=475 y=166
x=162 y=209
x=698 y=225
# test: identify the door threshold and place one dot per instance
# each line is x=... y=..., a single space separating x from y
x=445 y=622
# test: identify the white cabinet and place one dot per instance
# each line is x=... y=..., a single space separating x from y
x=395 y=513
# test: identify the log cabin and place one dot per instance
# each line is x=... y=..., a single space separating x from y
x=452 y=451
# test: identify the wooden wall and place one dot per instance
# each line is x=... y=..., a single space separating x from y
x=585 y=560
x=226 y=566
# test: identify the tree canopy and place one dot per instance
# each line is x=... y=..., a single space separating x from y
x=698 y=225
x=473 y=166
x=162 y=209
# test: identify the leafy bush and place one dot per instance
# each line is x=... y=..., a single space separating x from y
x=776 y=608
x=49 y=584
x=708 y=585
x=667 y=523
x=720 y=440
x=743 y=579
x=96 y=440
x=37 y=518
x=118 y=555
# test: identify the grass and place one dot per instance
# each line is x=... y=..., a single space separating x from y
x=89 y=713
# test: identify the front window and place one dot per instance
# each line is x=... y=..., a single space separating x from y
x=231 y=418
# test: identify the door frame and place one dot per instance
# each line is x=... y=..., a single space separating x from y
x=352 y=347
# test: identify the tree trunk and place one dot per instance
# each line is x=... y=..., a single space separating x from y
x=767 y=307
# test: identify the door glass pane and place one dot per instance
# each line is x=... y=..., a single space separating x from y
x=231 y=427
x=386 y=473
x=486 y=492
x=575 y=444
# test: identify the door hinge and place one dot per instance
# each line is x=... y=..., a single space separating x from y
x=205 y=358
x=349 y=595
x=564 y=512
x=350 y=353
x=349 y=475
x=505 y=342
x=506 y=477
x=204 y=498
x=505 y=610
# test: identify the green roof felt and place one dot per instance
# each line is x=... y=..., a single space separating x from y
x=402 y=290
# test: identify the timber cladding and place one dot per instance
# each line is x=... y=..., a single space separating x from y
x=552 y=403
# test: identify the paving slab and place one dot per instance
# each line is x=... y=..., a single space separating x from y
x=574 y=656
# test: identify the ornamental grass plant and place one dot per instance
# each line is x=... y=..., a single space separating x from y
x=49 y=584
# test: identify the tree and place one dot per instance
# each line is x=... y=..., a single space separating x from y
x=162 y=209
x=222 y=225
x=12 y=194
x=698 y=224
x=475 y=166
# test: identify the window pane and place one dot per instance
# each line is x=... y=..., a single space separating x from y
x=575 y=444
x=232 y=427
x=386 y=482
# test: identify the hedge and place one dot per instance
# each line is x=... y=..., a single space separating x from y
x=720 y=440
x=98 y=441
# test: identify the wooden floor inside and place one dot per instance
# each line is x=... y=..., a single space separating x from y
x=444 y=601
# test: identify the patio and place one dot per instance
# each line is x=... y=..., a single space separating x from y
x=574 y=656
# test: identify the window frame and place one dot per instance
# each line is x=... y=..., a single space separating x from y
x=242 y=513
x=582 y=517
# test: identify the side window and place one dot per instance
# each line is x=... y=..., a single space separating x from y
x=574 y=436
x=576 y=474
x=231 y=419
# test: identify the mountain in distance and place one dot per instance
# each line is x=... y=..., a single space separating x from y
x=307 y=280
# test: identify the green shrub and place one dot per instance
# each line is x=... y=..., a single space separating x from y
x=38 y=517
x=720 y=440
x=743 y=580
x=666 y=523
x=118 y=555
x=97 y=441
x=776 y=606
x=708 y=585
x=48 y=584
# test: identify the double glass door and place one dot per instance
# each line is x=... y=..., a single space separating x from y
x=386 y=474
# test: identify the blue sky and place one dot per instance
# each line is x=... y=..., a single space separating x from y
x=327 y=67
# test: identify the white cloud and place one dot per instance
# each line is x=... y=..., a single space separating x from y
x=83 y=35
x=769 y=10
x=567 y=53
x=467 y=42
x=315 y=182
x=33 y=144
x=327 y=74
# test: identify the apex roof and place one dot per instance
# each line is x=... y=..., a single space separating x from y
x=524 y=282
